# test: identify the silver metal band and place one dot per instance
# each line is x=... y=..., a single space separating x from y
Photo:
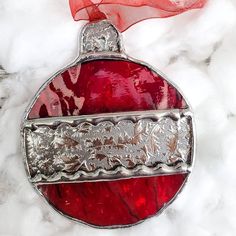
x=108 y=146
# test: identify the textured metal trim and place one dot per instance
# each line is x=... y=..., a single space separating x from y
x=116 y=117
x=100 y=36
x=121 y=145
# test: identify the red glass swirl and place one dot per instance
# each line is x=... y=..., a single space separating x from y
x=125 y=13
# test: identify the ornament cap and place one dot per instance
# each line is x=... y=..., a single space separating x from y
x=101 y=36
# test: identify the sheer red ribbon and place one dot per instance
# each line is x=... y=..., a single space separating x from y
x=124 y=13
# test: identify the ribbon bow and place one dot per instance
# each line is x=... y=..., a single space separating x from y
x=125 y=13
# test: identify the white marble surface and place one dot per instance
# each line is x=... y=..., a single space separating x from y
x=197 y=50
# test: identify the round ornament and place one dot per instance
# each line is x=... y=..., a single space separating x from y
x=108 y=140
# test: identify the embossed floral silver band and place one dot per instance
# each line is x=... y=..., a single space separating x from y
x=108 y=146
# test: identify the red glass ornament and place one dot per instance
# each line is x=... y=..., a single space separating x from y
x=103 y=86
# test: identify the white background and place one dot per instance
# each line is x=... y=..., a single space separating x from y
x=197 y=50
